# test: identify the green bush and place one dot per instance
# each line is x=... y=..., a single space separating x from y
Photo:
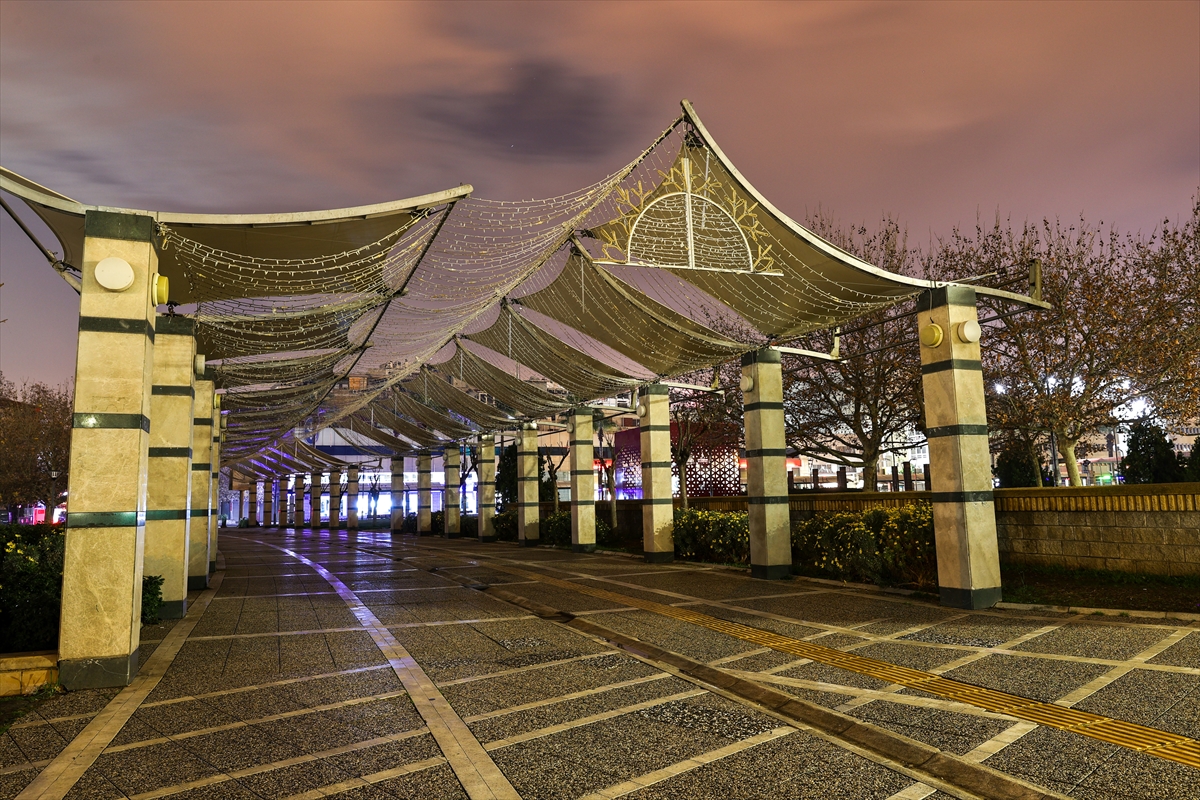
x=437 y=523
x=31 y=567
x=409 y=524
x=468 y=526
x=556 y=529
x=889 y=546
x=505 y=524
x=604 y=533
x=151 y=598
x=719 y=536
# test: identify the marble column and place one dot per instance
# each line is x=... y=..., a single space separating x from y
x=658 y=508
x=312 y=517
x=269 y=502
x=105 y=536
x=254 y=501
x=298 y=499
x=215 y=459
x=352 y=499
x=424 y=493
x=451 y=458
x=583 y=481
x=202 y=499
x=169 y=480
x=397 y=494
x=529 y=470
x=766 y=465
x=335 y=499
x=964 y=519
x=486 y=500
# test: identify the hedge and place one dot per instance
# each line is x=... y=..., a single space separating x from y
x=888 y=546
x=719 y=536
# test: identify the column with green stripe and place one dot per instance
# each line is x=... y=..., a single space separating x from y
x=485 y=498
x=658 y=509
x=529 y=469
x=766 y=465
x=452 y=459
x=583 y=480
x=105 y=539
x=352 y=499
x=964 y=519
x=424 y=493
x=168 y=511
x=199 y=556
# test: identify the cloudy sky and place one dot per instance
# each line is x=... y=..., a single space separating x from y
x=935 y=113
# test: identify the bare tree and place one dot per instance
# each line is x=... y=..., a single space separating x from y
x=1123 y=326
x=35 y=443
x=852 y=411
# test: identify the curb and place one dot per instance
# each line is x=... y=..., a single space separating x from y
x=1108 y=612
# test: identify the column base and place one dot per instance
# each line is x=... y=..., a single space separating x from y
x=212 y=567
x=454 y=535
x=425 y=533
x=173 y=609
x=771 y=572
x=973 y=599
x=197 y=583
x=487 y=539
x=98 y=673
x=664 y=557
x=583 y=548
x=530 y=542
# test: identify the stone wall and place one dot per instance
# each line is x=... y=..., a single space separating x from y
x=1146 y=529
x=1151 y=529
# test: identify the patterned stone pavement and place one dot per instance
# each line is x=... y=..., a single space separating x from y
x=362 y=666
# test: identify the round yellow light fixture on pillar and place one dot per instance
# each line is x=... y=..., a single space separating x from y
x=114 y=274
x=932 y=335
x=968 y=332
x=161 y=290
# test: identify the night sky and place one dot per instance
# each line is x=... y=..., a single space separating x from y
x=935 y=113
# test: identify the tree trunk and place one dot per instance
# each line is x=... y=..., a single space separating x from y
x=683 y=476
x=870 y=478
x=1037 y=463
x=610 y=479
x=1066 y=447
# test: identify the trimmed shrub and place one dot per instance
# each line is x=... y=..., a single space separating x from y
x=437 y=523
x=151 y=598
x=556 y=529
x=505 y=524
x=887 y=546
x=718 y=536
x=468 y=526
x=31 y=567
x=409 y=524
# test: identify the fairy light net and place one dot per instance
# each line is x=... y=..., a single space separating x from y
x=474 y=315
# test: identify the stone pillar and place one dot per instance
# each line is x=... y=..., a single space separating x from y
x=451 y=458
x=766 y=465
x=908 y=478
x=658 y=510
x=199 y=556
x=298 y=500
x=312 y=517
x=964 y=519
x=352 y=499
x=105 y=538
x=254 y=501
x=169 y=480
x=397 y=494
x=424 y=493
x=335 y=499
x=528 y=483
x=269 y=502
x=583 y=481
x=486 y=499
x=215 y=490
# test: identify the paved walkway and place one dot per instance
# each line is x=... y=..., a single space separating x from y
x=359 y=666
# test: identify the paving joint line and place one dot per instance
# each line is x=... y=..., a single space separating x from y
x=65 y=770
x=478 y=774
